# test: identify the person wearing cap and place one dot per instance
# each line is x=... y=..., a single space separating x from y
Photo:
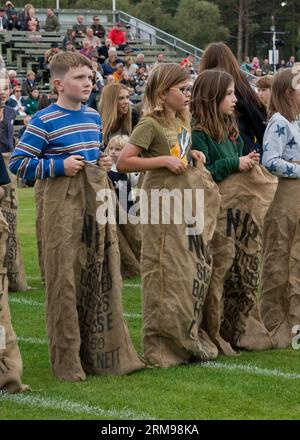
x=10 y=10
x=117 y=36
x=52 y=22
x=70 y=47
x=97 y=27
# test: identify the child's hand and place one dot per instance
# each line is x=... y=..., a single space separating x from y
x=175 y=165
x=198 y=155
x=105 y=162
x=246 y=163
x=73 y=164
x=254 y=156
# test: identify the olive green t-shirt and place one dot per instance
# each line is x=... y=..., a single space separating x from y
x=157 y=140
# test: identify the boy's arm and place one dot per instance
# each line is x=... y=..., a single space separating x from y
x=27 y=161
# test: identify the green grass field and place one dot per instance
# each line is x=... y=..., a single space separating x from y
x=252 y=386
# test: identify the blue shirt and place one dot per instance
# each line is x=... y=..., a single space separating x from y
x=54 y=134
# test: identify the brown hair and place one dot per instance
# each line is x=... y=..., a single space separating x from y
x=220 y=56
x=265 y=82
x=62 y=62
x=283 y=99
x=162 y=78
x=108 y=109
x=208 y=92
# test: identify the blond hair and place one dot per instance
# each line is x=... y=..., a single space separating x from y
x=62 y=62
x=108 y=109
x=265 y=82
x=160 y=80
x=120 y=140
x=283 y=99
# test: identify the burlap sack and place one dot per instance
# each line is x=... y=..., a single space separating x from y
x=39 y=197
x=231 y=314
x=176 y=270
x=86 y=330
x=280 y=301
x=10 y=358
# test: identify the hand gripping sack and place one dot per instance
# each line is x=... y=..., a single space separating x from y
x=10 y=357
x=231 y=313
x=176 y=269
x=280 y=301
x=85 y=325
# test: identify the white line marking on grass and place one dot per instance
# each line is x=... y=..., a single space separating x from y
x=132 y=315
x=252 y=369
x=33 y=278
x=72 y=407
x=137 y=286
x=34 y=341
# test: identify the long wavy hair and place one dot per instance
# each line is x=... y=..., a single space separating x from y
x=283 y=99
x=108 y=109
x=160 y=80
x=208 y=92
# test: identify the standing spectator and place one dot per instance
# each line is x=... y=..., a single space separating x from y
x=32 y=101
x=3 y=19
x=70 y=36
x=17 y=101
x=246 y=66
x=117 y=36
x=92 y=39
x=52 y=22
x=29 y=83
x=266 y=68
x=97 y=27
x=291 y=62
x=103 y=51
x=79 y=27
x=7 y=119
x=86 y=49
x=255 y=63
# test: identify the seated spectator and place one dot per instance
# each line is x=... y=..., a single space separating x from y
x=12 y=74
x=266 y=68
x=126 y=81
x=291 y=62
x=130 y=67
x=246 y=66
x=255 y=63
x=160 y=59
x=103 y=51
x=12 y=22
x=188 y=59
x=110 y=79
x=52 y=22
x=282 y=64
x=70 y=36
x=44 y=101
x=140 y=60
x=129 y=34
x=29 y=83
x=79 y=27
x=97 y=27
x=117 y=36
x=32 y=101
x=26 y=121
x=70 y=47
x=17 y=101
x=110 y=66
x=97 y=87
x=10 y=9
x=49 y=54
x=86 y=49
x=3 y=19
x=263 y=86
x=118 y=72
x=92 y=39
x=31 y=23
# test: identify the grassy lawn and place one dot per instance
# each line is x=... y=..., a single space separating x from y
x=252 y=386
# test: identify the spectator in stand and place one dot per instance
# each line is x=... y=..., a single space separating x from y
x=291 y=62
x=282 y=64
x=32 y=101
x=29 y=83
x=266 y=68
x=70 y=47
x=110 y=66
x=79 y=27
x=140 y=61
x=70 y=36
x=12 y=21
x=119 y=72
x=129 y=34
x=13 y=82
x=246 y=66
x=250 y=111
x=255 y=63
x=17 y=101
x=126 y=81
x=159 y=59
x=110 y=80
x=86 y=49
x=49 y=54
x=117 y=36
x=130 y=67
x=188 y=59
x=3 y=19
x=10 y=9
x=52 y=22
x=263 y=86
x=92 y=39
x=97 y=27
x=97 y=87
x=44 y=101
x=31 y=23
x=7 y=119
x=103 y=51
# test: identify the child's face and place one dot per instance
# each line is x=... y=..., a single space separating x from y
x=123 y=102
x=177 y=98
x=114 y=151
x=227 y=105
x=76 y=85
x=31 y=77
x=264 y=96
x=35 y=94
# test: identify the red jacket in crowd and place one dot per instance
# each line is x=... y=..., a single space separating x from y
x=117 y=37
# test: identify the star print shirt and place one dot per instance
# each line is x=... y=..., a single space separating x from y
x=281 y=147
